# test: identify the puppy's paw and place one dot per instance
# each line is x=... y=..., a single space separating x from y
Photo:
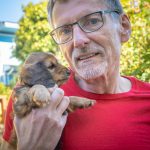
x=79 y=103
x=40 y=95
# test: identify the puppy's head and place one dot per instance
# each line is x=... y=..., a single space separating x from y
x=43 y=68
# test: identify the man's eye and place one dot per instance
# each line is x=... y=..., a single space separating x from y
x=64 y=31
x=93 y=21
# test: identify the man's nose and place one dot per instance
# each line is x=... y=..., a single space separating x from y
x=80 y=38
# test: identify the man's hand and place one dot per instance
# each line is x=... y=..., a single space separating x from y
x=42 y=128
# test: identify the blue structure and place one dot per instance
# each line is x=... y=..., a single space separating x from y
x=7 y=31
x=7 y=34
x=9 y=71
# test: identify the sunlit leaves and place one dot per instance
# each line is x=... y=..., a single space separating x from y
x=33 y=32
x=135 y=58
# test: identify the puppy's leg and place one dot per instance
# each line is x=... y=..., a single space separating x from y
x=79 y=102
x=39 y=94
x=21 y=101
x=25 y=98
x=41 y=97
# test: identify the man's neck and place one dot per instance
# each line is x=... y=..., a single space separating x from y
x=105 y=84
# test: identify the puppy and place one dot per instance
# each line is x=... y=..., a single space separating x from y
x=41 y=71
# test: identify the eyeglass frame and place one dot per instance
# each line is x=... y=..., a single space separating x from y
x=77 y=22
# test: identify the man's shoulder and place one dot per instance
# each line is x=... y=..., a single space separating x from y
x=139 y=84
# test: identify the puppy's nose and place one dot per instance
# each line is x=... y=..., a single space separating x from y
x=67 y=72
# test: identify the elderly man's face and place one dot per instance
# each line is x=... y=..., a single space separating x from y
x=90 y=55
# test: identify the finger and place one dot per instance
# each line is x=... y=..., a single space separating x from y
x=63 y=105
x=56 y=97
x=64 y=119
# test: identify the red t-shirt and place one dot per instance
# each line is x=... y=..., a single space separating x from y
x=116 y=122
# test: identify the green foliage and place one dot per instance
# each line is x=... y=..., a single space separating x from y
x=135 y=58
x=4 y=90
x=32 y=35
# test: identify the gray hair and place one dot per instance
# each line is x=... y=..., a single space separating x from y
x=111 y=4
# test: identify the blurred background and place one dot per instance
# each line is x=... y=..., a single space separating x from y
x=24 y=29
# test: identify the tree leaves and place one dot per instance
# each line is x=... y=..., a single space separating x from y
x=32 y=35
x=135 y=59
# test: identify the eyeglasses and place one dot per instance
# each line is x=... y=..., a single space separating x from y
x=89 y=23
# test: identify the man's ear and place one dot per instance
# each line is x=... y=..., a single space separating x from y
x=125 y=29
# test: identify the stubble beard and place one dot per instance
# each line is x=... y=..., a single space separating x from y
x=93 y=71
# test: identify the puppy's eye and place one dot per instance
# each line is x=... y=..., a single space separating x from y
x=52 y=66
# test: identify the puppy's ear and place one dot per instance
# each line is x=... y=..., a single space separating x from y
x=38 y=73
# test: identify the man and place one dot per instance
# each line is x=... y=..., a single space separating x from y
x=90 y=34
